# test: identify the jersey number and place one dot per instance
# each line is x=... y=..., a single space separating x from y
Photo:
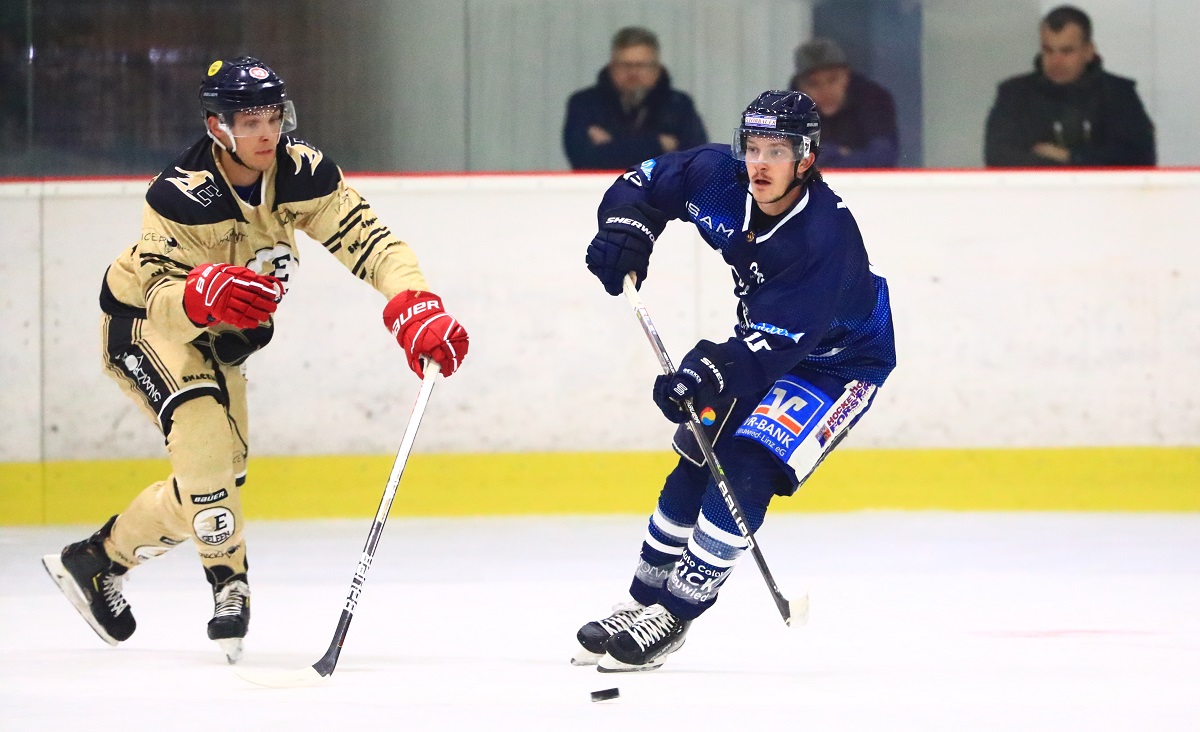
x=757 y=342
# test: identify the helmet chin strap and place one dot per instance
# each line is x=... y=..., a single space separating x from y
x=231 y=149
x=797 y=181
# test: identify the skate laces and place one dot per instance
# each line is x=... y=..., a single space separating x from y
x=230 y=599
x=652 y=626
x=111 y=586
x=623 y=616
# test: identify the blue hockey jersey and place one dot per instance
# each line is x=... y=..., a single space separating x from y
x=807 y=300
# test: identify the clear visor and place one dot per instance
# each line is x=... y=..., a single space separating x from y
x=273 y=119
x=769 y=147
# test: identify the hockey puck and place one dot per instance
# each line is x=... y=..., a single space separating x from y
x=605 y=694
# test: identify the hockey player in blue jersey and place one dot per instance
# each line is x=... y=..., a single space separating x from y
x=812 y=347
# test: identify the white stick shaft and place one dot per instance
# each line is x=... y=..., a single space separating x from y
x=432 y=370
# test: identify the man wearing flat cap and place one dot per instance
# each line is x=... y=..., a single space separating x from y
x=858 y=116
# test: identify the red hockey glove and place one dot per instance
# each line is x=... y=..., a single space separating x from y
x=229 y=294
x=422 y=327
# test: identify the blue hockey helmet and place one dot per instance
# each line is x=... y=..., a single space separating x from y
x=787 y=114
x=244 y=84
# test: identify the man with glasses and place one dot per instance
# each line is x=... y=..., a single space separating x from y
x=812 y=347
x=632 y=113
x=192 y=299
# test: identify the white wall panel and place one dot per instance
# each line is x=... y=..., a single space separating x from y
x=1176 y=83
x=1031 y=310
x=20 y=324
x=968 y=48
x=86 y=225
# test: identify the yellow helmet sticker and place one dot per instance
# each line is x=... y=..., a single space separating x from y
x=216 y=66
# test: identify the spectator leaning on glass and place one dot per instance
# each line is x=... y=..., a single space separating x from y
x=1068 y=111
x=632 y=113
x=858 y=116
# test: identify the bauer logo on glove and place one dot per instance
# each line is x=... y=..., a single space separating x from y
x=420 y=324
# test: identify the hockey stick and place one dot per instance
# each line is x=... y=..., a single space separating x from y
x=281 y=678
x=793 y=612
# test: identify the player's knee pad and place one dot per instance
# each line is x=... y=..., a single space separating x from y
x=754 y=476
x=201 y=447
x=682 y=491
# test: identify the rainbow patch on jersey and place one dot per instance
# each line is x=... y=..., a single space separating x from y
x=708 y=416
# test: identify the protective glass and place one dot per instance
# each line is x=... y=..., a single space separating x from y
x=273 y=119
x=769 y=147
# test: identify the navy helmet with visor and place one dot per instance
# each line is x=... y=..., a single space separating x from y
x=788 y=115
x=247 y=85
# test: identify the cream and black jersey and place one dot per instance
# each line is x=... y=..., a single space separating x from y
x=193 y=216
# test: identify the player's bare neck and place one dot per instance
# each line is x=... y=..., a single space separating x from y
x=238 y=174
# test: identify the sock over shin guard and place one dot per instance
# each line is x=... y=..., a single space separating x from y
x=715 y=543
x=668 y=530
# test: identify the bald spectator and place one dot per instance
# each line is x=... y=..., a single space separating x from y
x=858 y=116
x=1068 y=111
x=632 y=114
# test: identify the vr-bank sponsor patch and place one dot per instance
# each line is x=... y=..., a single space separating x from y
x=785 y=416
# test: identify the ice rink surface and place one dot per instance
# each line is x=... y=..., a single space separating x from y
x=920 y=621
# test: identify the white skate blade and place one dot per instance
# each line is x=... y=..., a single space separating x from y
x=584 y=657
x=232 y=648
x=610 y=665
x=798 y=612
x=279 y=678
x=66 y=583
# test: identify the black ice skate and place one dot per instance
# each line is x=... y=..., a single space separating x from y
x=231 y=610
x=645 y=645
x=594 y=635
x=92 y=582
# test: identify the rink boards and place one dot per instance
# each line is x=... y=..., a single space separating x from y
x=1081 y=479
x=1048 y=332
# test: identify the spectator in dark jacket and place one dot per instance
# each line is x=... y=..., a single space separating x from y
x=858 y=116
x=632 y=114
x=1069 y=111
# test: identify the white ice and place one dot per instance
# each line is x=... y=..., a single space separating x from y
x=920 y=621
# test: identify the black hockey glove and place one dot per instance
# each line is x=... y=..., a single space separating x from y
x=702 y=376
x=623 y=245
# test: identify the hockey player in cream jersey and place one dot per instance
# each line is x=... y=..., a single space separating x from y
x=191 y=300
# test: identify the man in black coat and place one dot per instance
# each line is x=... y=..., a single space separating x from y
x=1069 y=111
x=632 y=114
